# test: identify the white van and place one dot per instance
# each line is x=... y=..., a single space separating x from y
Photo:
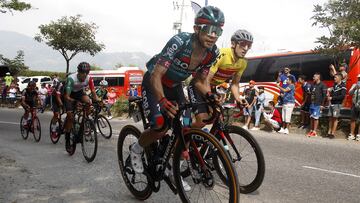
x=37 y=79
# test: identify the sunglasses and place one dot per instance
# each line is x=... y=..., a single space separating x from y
x=245 y=43
x=210 y=29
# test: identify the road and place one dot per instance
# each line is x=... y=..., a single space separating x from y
x=298 y=169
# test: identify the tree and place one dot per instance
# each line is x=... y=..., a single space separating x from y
x=15 y=65
x=342 y=19
x=70 y=36
x=95 y=67
x=13 y=5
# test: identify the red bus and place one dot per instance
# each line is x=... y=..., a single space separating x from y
x=264 y=70
x=121 y=79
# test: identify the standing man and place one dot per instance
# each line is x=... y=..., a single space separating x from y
x=288 y=105
x=8 y=79
x=250 y=97
x=336 y=96
x=318 y=96
x=305 y=105
x=283 y=77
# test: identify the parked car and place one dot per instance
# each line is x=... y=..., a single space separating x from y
x=37 y=79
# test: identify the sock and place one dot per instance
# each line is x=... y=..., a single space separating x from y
x=137 y=148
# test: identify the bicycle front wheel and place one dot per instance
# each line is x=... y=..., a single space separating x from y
x=89 y=140
x=23 y=130
x=104 y=126
x=138 y=184
x=203 y=184
x=36 y=129
x=55 y=134
x=249 y=163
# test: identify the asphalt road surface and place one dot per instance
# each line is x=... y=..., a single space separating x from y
x=298 y=169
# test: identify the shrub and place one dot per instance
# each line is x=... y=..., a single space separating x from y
x=121 y=106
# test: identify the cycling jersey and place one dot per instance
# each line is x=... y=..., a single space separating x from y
x=73 y=84
x=176 y=56
x=30 y=97
x=226 y=67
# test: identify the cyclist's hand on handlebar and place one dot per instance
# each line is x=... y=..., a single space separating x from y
x=213 y=97
x=169 y=108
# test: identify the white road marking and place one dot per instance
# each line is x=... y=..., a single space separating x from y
x=330 y=171
x=6 y=122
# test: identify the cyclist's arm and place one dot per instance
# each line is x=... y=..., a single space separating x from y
x=235 y=87
x=68 y=89
x=23 y=101
x=158 y=72
x=92 y=89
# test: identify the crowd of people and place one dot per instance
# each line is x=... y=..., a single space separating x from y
x=316 y=96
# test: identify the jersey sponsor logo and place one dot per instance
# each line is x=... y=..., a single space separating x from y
x=181 y=64
x=170 y=50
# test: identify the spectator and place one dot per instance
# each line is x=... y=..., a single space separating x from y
x=342 y=70
x=132 y=91
x=12 y=96
x=8 y=79
x=111 y=99
x=355 y=110
x=289 y=104
x=305 y=105
x=336 y=96
x=43 y=92
x=318 y=96
x=283 y=77
x=4 y=94
x=273 y=119
x=250 y=97
x=259 y=107
x=48 y=96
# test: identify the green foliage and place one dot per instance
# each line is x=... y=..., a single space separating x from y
x=15 y=65
x=121 y=106
x=13 y=5
x=342 y=19
x=70 y=36
x=95 y=67
x=29 y=73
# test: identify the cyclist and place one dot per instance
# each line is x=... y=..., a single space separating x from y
x=184 y=54
x=29 y=99
x=230 y=65
x=74 y=92
x=56 y=101
x=102 y=91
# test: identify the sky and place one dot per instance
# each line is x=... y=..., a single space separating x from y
x=146 y=26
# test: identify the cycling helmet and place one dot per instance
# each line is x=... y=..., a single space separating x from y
x=103 y=83
x=8 y=73
x=83 y=67
x=242 y=35
x=210 y=15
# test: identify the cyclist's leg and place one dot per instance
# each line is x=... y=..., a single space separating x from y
x=55 y=109
x=200 y=111
x=26 y=115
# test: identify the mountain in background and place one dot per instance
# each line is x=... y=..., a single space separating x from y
x=38 y=56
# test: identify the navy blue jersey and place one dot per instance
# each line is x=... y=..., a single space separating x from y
x=176 y=56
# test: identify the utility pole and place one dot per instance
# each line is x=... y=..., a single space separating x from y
x=177 y=25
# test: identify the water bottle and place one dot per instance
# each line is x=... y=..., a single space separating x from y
x=76 y=128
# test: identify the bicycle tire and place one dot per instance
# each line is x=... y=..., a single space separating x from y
x=124 y=164
x=55 y=136
x=103 y=121
x=254 y=184
x=85 y=138
x=231 y=185
x=71 y=148
x=36 y=127
x=23 y=131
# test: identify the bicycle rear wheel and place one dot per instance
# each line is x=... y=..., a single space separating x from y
x=89 y=140
x=138 y=184
x=36 y=129
x=23 y=130
x=206 y=185
x=104 y=126
x=55 y=136
x=250 y=164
